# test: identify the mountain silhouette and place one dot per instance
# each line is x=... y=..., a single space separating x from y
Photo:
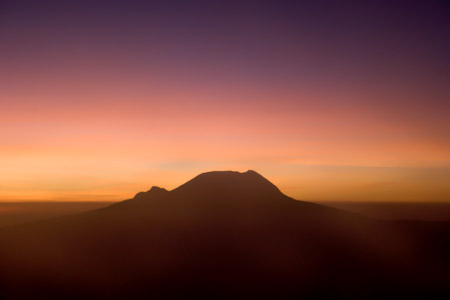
x=219 y=189
x=223 y=235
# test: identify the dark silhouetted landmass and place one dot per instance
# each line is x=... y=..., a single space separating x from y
x=223 y=235
x=14 y=213
x=424 y=211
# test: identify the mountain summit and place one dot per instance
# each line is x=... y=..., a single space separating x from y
x=221 y=188
x=223 y=183
x=221 y=235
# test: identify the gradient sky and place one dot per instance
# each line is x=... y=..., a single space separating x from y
x=330 y=100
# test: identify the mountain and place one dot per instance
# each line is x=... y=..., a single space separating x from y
x=222 y=235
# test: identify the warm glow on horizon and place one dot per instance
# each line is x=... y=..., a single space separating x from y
x=100 y=109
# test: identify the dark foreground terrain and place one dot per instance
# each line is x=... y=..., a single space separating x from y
x=223 y=235
x=424 y=211
x=19 y=212
x=14 y=213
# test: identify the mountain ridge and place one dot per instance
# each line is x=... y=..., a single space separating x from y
x=215 y=187
x=222 y=234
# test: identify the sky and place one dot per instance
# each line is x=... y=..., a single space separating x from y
x=330 y=100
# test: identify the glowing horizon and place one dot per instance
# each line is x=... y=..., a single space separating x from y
x=99 y=105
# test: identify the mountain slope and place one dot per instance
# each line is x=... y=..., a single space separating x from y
x=222 y=234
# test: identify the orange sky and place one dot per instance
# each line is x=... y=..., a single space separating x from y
x=113 y=149
x=349 y=104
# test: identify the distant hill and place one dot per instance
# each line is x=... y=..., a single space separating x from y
x=222 y=235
